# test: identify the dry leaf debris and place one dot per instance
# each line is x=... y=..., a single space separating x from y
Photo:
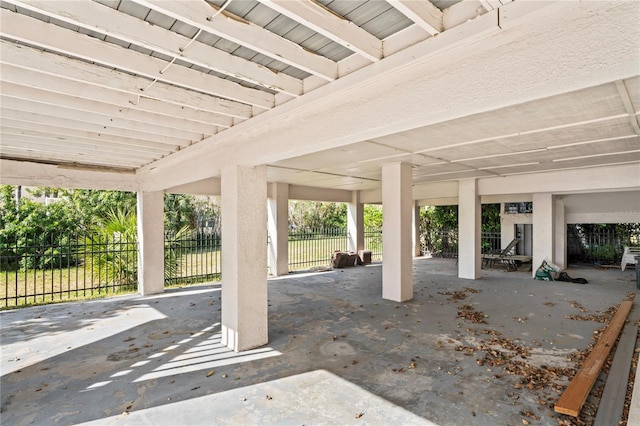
x=468 y=312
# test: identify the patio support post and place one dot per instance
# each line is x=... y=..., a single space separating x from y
x=355 y=223
x=244 y=257
x=560 y=258
x=279 y=229
x=397 y=202
x=416 y=229
x=469 y=230
x=543 y=229
x=150 y=242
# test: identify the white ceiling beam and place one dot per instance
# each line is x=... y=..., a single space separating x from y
x=105 y=20
x=626 y=176
x=32 y=31
x=27 y=139
x=628 y=105
x=491 y=4
x=53 y=64
x=233 y=28
x=17 y=127
x=317 y=17
x=43 y=154
x=56 y=99
x=422 y=12
x=106 y=122
x=39 y=174
x=36 y=80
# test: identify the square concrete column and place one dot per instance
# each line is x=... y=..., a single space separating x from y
x=469 y=230
x=416 y=229
x=244 y=257
x=150 y=242
x=397 y=256
x=278 y=214
x=560 y=244
x=543 y=229
x=355 y=223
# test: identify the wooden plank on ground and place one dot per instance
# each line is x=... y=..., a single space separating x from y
x=575 y=395
x=615 y=389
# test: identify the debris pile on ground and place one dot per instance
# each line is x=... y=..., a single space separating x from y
x=468 y=312
x=546 y=381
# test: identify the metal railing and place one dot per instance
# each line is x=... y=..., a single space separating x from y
x=68 y=267
x=314 y=247
x=604 y=245
x=192 y=257
x=444 y=242
x=373 y=242
x=65 y=267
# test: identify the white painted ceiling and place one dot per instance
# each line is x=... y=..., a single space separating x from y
x=127 y=85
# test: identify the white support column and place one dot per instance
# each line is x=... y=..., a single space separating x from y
x=543 y=219
x=355 y=223
x=150 y=242
x=279 y=229
x=244 y=258
x=560 y=258
x=416 y=229
x=397 y=266
x=469 y=230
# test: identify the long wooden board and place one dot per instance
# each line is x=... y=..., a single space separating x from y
x=575 y=395
x=615 y=389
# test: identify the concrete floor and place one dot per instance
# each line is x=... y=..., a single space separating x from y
x=338 y=353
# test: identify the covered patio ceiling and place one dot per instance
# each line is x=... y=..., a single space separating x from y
x=324 y=92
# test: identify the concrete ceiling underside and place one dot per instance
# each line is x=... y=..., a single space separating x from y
x=323 y=92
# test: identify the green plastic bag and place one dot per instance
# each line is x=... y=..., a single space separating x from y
x=545 y=271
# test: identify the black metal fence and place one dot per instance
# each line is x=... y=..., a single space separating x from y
x=373 y=242
x=599 y=244
x=35 y=270
x=192 y=257
x=444 y=242
x=314 y=247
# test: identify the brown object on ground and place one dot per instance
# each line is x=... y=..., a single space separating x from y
x=364 y=257
x=339 y=259
x=575 y=395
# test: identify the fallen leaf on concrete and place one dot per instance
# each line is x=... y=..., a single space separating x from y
x=529 y=414
x=469 y=313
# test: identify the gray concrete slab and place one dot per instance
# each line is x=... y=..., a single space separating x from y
x=338 y=353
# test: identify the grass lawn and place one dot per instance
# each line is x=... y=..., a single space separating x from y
x=35 y=287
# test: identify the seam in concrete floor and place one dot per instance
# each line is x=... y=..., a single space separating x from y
x=338 y=353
